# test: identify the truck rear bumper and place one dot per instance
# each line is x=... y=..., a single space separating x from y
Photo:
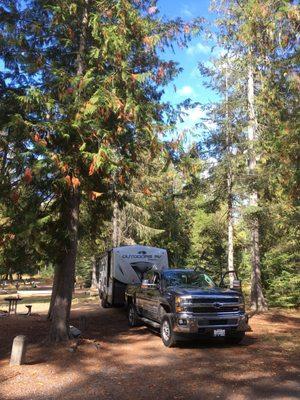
x=206 y=323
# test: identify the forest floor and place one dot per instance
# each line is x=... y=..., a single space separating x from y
x=113 y=362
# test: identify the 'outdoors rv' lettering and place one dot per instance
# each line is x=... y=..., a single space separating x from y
x=148 y=256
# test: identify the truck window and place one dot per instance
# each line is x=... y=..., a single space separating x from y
x=141 y=268
x=156 y=279
x=149 y=277
x=188 y=279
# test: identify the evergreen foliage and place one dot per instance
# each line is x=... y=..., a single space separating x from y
x=261 y=35
x=81 y=114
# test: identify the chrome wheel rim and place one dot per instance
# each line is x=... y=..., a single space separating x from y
x=166 y=333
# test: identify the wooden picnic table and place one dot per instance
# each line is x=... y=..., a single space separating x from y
x=13 y=302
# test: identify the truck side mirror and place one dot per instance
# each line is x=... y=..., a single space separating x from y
x=236 y=284
x=147 y=285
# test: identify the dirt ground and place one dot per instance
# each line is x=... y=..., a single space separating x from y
x=113 y=362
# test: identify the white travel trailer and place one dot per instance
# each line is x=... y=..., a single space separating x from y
x=125 y=265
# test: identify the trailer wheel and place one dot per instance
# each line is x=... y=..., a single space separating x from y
x=133 y=319
x=104 y=303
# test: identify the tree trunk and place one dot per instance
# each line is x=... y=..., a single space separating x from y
x=54 y=291
x=59 y=329
x=115 y=224
x=120 y=226
x=94 y=283
x=258 y=302
x=230 y=248
x=82 y=40
x=61 y=303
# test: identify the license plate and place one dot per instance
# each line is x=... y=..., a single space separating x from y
x=219 y=332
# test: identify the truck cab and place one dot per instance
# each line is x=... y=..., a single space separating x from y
x=184 y=303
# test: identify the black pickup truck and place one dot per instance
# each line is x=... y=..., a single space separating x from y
x=184 y=303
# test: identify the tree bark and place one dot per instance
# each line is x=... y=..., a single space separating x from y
x=82 y=40
x=59 y=328
x=54 y=291
x=230 y=231
x=115 y=224
x=258 y=301
x=94 y=283
x=62 y=299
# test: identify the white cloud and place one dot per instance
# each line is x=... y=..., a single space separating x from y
x=186 y=11
x=199 y=48
x=195 y=73
x=208 y=64
x=210 y=125
x=185 y=91
x=194 y=114
x=197 y=115
x=187 y=127
x=211 y=162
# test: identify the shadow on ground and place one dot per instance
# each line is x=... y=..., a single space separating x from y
x=113 y=362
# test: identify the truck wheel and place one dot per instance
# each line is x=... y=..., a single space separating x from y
x=161 y=312
x=235 y=339
x=133 y=319
x=104 y=303
x=166 y=332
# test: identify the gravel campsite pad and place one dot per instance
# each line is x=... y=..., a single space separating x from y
x=112 y=362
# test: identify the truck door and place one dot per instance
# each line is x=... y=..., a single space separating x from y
x=143 y=296
x=154 y=297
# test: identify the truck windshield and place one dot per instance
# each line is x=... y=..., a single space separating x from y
x=188 y=278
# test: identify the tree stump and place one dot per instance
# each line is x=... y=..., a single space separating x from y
x=29 y=307
x=18 y=351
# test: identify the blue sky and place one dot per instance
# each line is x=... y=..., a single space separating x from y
x=189 y=84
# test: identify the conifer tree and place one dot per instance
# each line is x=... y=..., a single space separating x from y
x=91 y=81
x=261 y=36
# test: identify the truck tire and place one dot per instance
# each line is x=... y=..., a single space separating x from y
x=236 y=338
x=166 y=331
x=161 y=313
x=133 y=318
